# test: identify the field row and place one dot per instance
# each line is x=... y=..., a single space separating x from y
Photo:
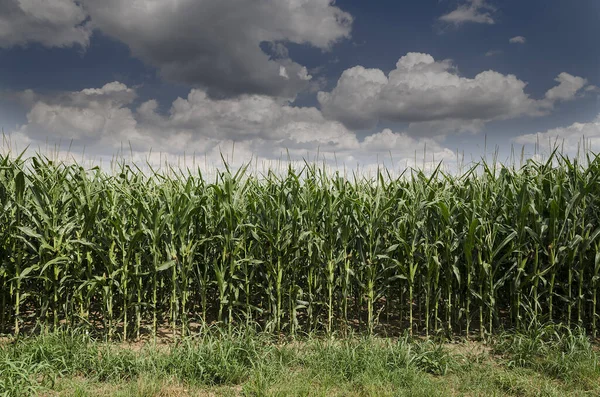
x=299 y=251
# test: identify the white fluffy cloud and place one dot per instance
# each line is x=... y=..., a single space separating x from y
x=567 y=88
x=217 y=44
x=421 y=89
x=404 y=145
x=249 y=127
x=569 y=138
x=517 y=40
x=102 y=117
x=246 y=118
x=355 y=99
x=93 y=116
x=53 y=23
x=474 y=11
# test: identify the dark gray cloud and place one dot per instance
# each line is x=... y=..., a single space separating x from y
x=217 y=44
x=52 y=23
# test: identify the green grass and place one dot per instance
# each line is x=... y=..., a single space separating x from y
x=545 y=361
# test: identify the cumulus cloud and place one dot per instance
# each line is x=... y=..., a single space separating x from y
x=52 y=23
x=441 y=128
x=569 y=139
x=103 y=117
x=216 y=45
x=355 y=98
x=517 y=40
x=421 y=89
x=404 y=145
x=567 y=88
x=211 y=44
x=246 y=118
x=245 y=128
x=92 y=116
x=473 y=11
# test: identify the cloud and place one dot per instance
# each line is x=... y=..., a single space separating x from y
x=216 y=45
x=102 y=117
x=246 y=118
x=517 y=40
x=96 y=115
x=569 y=139
x=491 y=53
x=441 y=128
x=354 y=100
x=567 y=88
x=52 y=23
x=227 y=47
x=404 y=145
x=473 y=11
x=421 y=89
x=245 y=128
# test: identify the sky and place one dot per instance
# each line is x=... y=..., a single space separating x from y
x=353 y=82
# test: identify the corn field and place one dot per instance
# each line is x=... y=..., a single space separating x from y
x=135 y=252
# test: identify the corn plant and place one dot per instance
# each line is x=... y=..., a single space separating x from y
x=131 y=251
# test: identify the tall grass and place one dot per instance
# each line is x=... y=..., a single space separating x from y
x=299 y=251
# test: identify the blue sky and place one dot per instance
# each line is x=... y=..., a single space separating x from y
x=300 y=76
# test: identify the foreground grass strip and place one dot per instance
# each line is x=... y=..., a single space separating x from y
x=243 y=363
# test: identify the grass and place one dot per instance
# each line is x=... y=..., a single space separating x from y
x=545 y=361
